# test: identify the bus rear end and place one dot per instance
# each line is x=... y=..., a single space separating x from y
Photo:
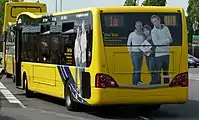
x=145 y=53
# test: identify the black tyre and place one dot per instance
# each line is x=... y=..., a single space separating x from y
x=13 y=79
x=8 y=75
x=155 y=107
x=29 y=93
x=147 y=108
x=70 y=103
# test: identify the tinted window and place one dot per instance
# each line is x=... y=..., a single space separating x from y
x=68 y=43
x=68 y=49
x=55 y=47
x=27 y=47
x=116 y=27
x=43 y=48
x=56 y=44
x=10 y=48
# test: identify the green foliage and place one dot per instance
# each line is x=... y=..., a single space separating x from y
x=192 y=10
x=154 y=2
x=130 y=3
x=193 y=17
x=15 y=0
x=2 y=3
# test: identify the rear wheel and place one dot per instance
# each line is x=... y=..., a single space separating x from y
x=152 y=107
x=14 y=79
x=29 y=93
x=8 y=75
x=70 y=103
x=155 y=107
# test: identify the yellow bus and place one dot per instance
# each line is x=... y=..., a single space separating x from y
x=105 y=56
x=12 y=10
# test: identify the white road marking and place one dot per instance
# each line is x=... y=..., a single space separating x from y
x=12 y=99
x=143 y=118
x=9 y=96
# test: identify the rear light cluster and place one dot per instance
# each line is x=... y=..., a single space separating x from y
x=104 y=81
x=180 y=80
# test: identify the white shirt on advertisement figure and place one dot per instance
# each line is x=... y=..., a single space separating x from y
x=83 y=44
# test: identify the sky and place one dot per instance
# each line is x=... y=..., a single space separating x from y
x=66 y=5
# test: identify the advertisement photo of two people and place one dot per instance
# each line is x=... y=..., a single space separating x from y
x=152 y=42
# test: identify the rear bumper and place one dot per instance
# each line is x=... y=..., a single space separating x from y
x=113 y=96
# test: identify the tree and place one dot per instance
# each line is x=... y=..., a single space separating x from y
x=130 y=3
x=193 y=18
x=154 y=3
x=2 y=3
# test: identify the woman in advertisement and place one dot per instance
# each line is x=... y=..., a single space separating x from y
x=150 y=54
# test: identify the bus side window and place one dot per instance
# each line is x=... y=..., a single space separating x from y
x=63 y=58
x=68 y=48
x=55 y=47
x=8 y=36
x=23 y=54
x=29 y=38
x=12 y=37
x=26 y=47
x=43 y=49
x=34 y=47
x=67 y=51
x=7 y=43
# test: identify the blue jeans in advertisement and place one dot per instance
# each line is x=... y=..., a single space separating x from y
x=82 y=69
x=137 y=59
x=78 y=72
x=151 y=63
x=162 y=63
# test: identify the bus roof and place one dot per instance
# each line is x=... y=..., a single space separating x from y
x=24 y=3
x=140 y=9
x=110 y=10
x=125 y=9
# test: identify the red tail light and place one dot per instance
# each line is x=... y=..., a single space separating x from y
x=180 y=80
x=104 y=81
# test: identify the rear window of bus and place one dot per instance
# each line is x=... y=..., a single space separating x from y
x=116 y=27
